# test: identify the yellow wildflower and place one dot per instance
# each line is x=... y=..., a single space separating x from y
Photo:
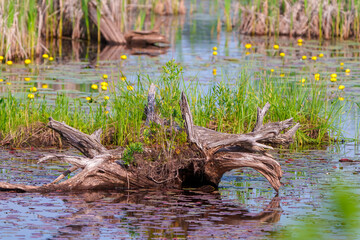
x=317 y=76
x=106 y=98
x=33 y=89
x=104 y=84
x=27 y=61
x=282 y=54
x=341 y=64
x=94 y=86
x=51 y=59
x=214 y=71
x=272 y=70
x=123 y=57
x=105 y=76
x=303 y=80
x=347 y=70
x=299 y=40
x=1 y=58
x=106 y=112
x=27 y=79
x=88 y=98
x=247 y=53
x=282 y=74
x=341 y=99
x=30 y=96
x=276 y=47
x=313 y=58
x=334 y=75
x=341 y=87
x=333 y=79
x=130 y=88
x=45 y=56
x=248 y=46
x=9 y=63
x=45 y=86
x=104 y=88
x=123 y=78
x=321 y=55
x=214 y=48
x=1 y=80
x=299 y=44
x=304 y=57
x=214 y=53
x=8 y=83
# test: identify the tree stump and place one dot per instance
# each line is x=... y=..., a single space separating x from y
x=218 y=153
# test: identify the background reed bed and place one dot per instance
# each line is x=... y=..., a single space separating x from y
x=26 y=26
x=310 y=18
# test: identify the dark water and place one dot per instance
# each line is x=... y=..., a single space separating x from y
x=244 y=207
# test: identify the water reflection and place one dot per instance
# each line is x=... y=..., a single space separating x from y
x=155 y=214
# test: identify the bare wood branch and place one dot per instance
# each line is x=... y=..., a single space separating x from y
x=74 y=160
x=260 y=117
x=64 y=174
x=97 y=135
x=192 y=136
x=86 y=144
x=151 y=115
x=265 y=165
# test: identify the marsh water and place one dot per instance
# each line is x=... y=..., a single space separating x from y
x=245 y=205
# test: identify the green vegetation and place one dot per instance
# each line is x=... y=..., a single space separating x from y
x=344 y=209
x=128 y=155
x=227 y=106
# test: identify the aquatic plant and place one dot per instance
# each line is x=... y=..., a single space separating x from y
x=343 y=222
x=227 y=106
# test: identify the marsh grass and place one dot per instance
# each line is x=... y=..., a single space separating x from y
x=227 y=106
x=311 y=18
x=27 y=24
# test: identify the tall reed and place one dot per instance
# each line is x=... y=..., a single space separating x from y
x=227 y=12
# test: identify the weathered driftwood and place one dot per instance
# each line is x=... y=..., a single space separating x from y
x=145 y=38
x=224 y=152
x=112 y=33
x=218 y=153
x=108 y=27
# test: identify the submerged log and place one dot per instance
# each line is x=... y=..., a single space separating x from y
x=217 y=153
x=145 y=38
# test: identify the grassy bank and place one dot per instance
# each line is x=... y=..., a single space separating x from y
x=228 y=106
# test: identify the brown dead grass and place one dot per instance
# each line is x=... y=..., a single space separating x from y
x=295 y=20
x=34 y=135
